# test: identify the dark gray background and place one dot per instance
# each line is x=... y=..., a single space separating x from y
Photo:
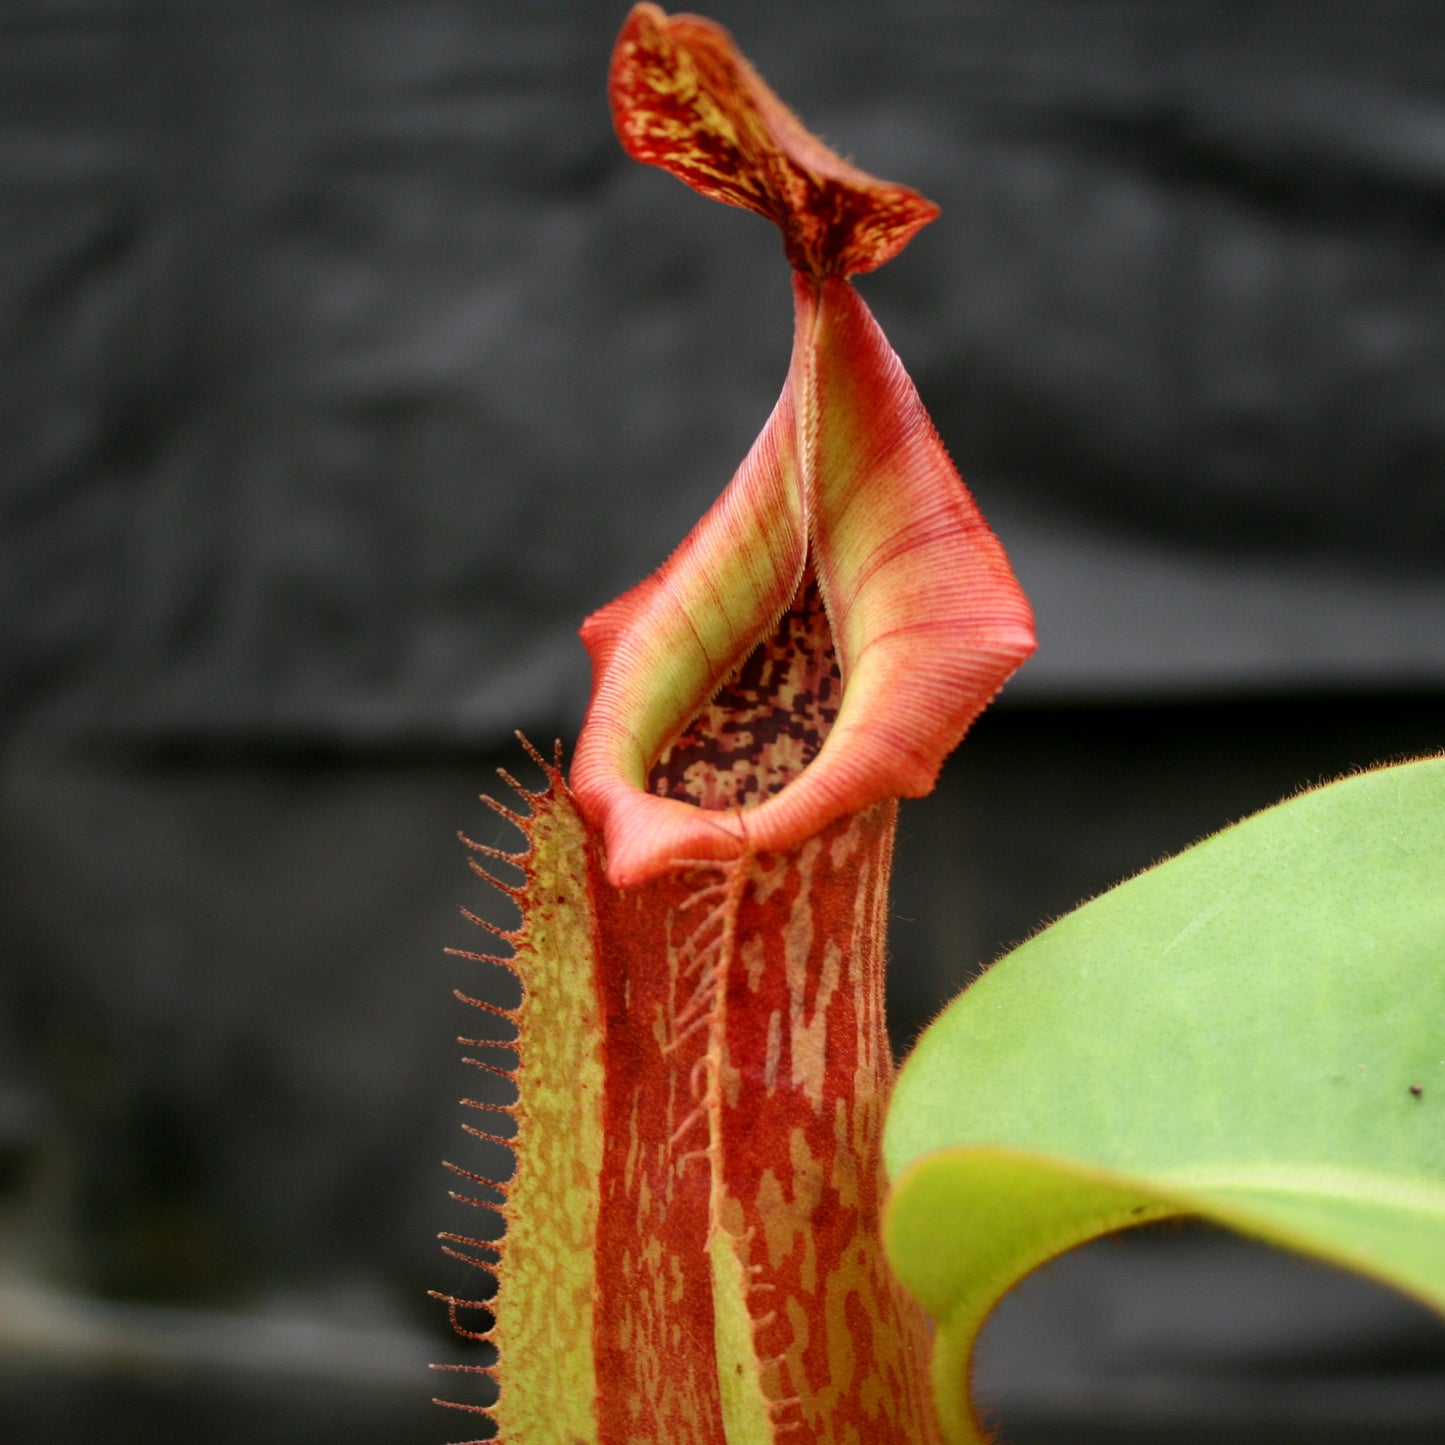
x=346 y=363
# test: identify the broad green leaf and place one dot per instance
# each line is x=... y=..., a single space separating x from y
x=1253 y=1032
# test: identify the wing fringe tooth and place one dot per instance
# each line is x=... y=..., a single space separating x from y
x=492 y=1267
x=516 y=787
x=509 y=1074
x=510 y=1142
x=490 y=852
x=494 y=1245
x=513 y=891
x=509 y=1014
x=518 y=820
x=453 y=1304
x=552 y=769
x=500 y=1186
x=507 y=935
x=488 y=1043
x=460 y=1198
x=475 y=1178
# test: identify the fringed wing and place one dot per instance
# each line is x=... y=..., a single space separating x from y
x=546 y=1297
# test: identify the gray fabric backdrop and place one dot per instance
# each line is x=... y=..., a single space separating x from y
x=349 y=361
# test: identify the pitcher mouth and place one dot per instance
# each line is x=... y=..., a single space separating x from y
x=848 y=484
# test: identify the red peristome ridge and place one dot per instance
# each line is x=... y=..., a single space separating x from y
x=683 y=98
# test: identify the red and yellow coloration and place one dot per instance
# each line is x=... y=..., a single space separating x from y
x=691 y=1254
x=848 y=479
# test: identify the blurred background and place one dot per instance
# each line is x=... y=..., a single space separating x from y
x=346 y=364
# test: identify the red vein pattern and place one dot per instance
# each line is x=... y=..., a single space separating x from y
x=748 y=1071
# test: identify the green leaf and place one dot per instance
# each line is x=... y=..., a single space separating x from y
x=1253 y=1032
